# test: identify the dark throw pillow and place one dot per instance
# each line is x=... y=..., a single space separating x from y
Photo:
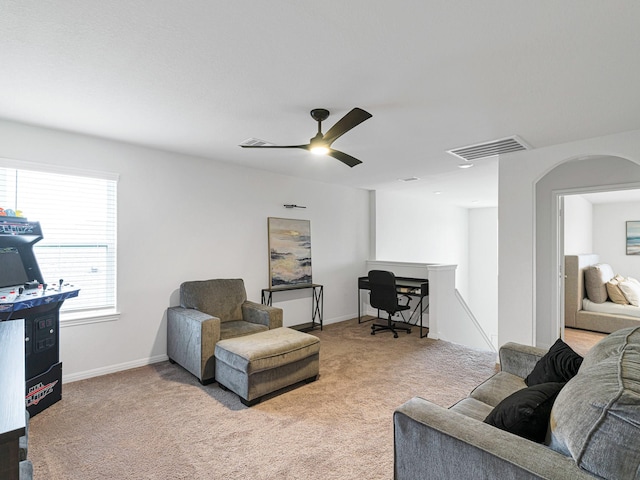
x=526 y=412
x=560 y=364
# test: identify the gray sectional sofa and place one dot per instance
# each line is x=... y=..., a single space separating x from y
x=593 y=430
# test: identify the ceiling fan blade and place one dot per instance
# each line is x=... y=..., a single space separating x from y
x=344 y=158
x=352 y=119
x=275 y=146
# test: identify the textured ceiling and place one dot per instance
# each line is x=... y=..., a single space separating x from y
x=199 y=77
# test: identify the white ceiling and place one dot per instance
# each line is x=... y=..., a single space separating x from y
x=201 y=76
x=615 y=196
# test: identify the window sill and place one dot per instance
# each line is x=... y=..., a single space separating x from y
x=72 y=319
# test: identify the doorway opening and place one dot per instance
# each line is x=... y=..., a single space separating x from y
x=593 y=221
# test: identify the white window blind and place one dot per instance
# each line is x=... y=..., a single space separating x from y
x=78 y=219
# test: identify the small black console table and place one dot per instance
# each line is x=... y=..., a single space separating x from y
x=317 y=303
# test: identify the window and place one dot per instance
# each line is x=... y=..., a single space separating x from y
x=78 y=219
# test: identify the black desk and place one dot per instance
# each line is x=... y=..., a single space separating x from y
x=12 y=409
x=317 y=303
x=414 y=287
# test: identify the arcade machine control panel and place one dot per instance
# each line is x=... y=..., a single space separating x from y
x=34 y=294
x=41 y=329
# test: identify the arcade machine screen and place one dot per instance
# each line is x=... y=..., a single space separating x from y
x=12 y=271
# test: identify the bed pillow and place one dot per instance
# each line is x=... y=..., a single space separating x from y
x=631 y=289
x=615 y=292
x=559 y=364
x=526 y=412
x=595 y=280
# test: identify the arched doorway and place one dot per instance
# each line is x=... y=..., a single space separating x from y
x=581 y=175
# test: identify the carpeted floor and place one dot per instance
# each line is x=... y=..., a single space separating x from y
x=158 y=422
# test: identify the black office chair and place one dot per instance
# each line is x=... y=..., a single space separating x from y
x=384 y=296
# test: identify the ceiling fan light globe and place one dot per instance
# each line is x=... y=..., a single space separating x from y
x=319 y=150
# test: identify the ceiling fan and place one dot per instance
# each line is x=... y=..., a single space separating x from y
x=321 y=144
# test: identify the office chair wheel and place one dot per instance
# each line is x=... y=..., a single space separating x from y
x=395 y=335
x=408 y=331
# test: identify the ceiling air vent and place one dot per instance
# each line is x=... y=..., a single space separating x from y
x=255 y=142
x=490 y=149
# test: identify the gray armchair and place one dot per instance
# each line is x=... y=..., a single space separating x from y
x=209 y=311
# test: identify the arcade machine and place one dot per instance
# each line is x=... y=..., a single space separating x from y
x=24 y=294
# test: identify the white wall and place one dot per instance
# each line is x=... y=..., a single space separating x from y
x=483 y=269
x=578 y=225
x=414 y=228
x=518 y=175
x=609 y=236
x=185 y=218
x=410 y=228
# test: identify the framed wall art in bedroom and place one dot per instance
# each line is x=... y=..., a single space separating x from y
x=633 y=238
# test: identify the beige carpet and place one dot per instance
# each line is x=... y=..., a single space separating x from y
x=158 y=422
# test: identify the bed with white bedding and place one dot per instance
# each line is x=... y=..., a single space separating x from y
x=599 y=313
x=610 y=307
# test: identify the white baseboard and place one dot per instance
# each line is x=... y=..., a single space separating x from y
x=339 y=319
x=96 y=372
x=329 y=321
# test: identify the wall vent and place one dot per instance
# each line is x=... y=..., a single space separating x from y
x=255 y=142
x=490 y=149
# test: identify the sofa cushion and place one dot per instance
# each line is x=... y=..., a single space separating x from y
x=526 y=412
x=610 y=346
x=595 y=279
x=239 y=328
x=222 y=298
x=470 y=407
x=495 y=389
x=596 y=416
x=559 y=364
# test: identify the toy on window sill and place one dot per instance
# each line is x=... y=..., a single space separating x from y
x=10 y=213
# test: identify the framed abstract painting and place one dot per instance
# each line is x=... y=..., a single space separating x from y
x=289 y=252
x=633 y=238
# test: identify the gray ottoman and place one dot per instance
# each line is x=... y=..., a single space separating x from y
x=255 y=365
